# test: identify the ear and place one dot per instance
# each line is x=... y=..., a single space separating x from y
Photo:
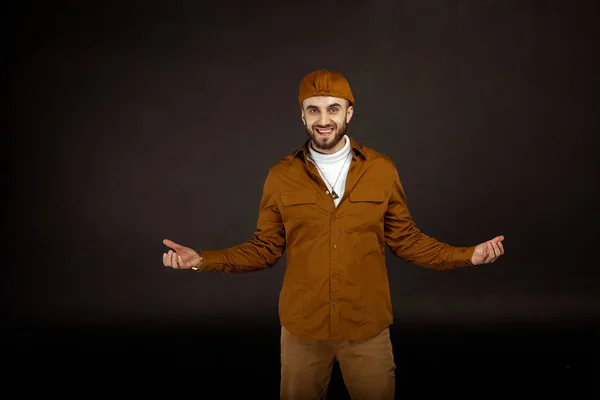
x=303 y=119
x=349 y=113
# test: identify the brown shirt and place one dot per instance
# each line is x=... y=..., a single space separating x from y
x=335 y=284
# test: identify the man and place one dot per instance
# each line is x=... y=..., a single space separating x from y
x=333 y=205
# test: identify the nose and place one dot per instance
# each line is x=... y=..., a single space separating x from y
x=323 y=119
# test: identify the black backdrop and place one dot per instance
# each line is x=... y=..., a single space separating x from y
x=132 y=122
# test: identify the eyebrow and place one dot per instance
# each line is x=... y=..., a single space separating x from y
x=330 y=105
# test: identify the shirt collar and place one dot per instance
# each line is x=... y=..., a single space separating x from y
x=355 y=147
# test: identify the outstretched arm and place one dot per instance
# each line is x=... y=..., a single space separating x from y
x=260 y=252
x=410 y=244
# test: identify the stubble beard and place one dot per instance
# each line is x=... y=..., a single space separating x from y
x=330 y=144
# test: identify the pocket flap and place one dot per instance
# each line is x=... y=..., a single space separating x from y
x=369 y=194
x=299 y=197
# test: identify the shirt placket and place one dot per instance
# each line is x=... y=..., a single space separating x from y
x=334 y=260
x=334 y=278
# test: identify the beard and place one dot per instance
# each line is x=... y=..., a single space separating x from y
x=329 y=142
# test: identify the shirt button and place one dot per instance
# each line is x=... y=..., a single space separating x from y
x=327 y=192
x=335 y=246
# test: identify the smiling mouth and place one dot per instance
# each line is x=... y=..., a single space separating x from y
x=324 y=131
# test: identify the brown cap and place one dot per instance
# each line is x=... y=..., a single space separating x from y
x=324 y=83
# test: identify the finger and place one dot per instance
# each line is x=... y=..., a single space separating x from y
x=170 y=259
x=501 y=247
x=496 y=249
x=491 y=252
x=180 y=262
x=165 y=260
x=174 y=262
x=171 y=244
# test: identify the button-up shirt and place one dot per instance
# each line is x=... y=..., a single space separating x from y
x=335 y=284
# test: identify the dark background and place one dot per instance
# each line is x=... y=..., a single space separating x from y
x=129 y=122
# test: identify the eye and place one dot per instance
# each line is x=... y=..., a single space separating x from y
x=333 y=109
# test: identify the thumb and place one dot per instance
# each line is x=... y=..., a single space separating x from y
x=172 y=244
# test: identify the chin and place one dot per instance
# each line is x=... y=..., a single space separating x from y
x=324 y=144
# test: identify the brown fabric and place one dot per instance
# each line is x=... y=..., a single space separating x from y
x=367 y=366
x=335 y=284
x=324 y=83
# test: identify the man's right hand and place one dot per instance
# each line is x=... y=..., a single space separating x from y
x=180 y=257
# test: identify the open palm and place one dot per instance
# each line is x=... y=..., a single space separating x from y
x=180 y=257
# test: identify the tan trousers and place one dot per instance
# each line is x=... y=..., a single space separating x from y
x=367 y=367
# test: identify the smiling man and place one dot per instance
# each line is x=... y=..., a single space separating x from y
x=326 y=121
x=333 y=205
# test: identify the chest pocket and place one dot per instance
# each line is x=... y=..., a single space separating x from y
x=299 y=204
x=368 y=206
x=367 y=194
